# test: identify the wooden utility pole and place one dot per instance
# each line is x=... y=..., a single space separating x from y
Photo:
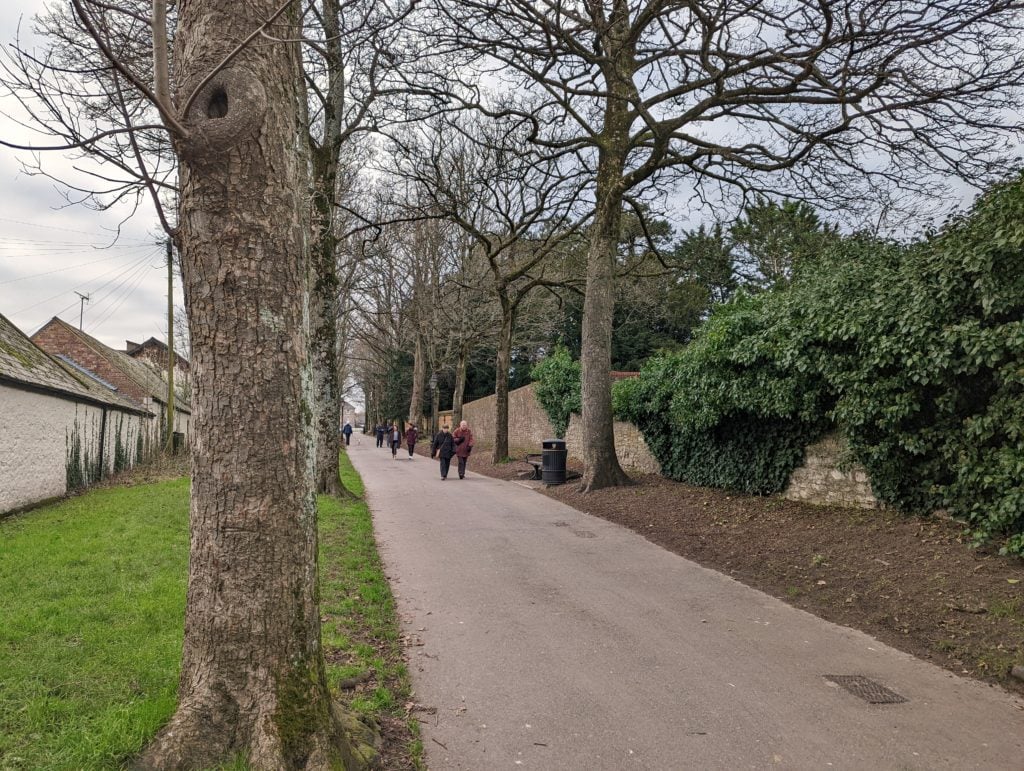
x=169 y=440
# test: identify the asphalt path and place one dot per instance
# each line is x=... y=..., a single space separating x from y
x=542 y=637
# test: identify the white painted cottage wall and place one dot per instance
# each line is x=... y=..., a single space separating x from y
x=34 y=442
x=33 y=449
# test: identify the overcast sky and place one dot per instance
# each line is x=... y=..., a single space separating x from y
x=49 y=250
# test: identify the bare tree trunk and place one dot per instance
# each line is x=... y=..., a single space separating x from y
x=419 y=374
x=501 y=368
x=435 y=407
x=324 y=302
x=461 y=369
x=252 y=675
x=324 y=345
x=601 y=465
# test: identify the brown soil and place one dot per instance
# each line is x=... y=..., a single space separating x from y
x=913 y=583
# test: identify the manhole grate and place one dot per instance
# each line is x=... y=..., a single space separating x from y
x=584 y=534
x=866 y=689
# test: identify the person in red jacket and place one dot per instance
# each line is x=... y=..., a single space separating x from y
x=411 y=435
x=463 y=438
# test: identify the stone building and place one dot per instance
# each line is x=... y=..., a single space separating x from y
x=60 y=427
x=133 y=378
x=154 y=353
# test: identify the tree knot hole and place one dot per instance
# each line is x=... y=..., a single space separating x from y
x=217 y=106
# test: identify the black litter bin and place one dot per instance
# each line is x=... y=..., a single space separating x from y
x=553 y=461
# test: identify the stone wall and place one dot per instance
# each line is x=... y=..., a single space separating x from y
x=527 y=423
x=528 y=426
x=825 y=479
x=630 y=446
x=38 y=432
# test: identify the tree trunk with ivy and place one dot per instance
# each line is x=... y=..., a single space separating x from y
x=252 y=677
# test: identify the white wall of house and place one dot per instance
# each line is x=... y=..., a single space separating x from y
x=41 y=434
x=32 y=446
x=183 y=424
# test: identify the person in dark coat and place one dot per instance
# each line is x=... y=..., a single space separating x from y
x=347 y=431
x=411 y=435
x=443 y=447
x=463 y=438
x=380 y=431
x=394 y=439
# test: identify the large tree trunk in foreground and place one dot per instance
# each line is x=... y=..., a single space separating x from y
x=600 y=464
x=252 y=676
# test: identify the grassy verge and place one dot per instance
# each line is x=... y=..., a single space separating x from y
x=92 y=594
x=360 y=627
x=92 y=597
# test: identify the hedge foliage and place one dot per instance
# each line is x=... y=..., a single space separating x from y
x=558 y=388
x=727 y=411
x=916 y=354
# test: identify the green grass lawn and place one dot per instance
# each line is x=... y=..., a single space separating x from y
x=92 y=596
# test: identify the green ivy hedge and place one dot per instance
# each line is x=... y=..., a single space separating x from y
x=725 y=411
x=558 y=388
x=929 y=366
x=915 y=353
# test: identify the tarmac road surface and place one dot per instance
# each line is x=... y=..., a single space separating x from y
x=544 y=638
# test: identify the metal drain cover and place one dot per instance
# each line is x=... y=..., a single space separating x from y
x=866 y=689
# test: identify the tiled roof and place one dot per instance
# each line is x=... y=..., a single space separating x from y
x=21 y=361
x=140 y=372
x=133 y=348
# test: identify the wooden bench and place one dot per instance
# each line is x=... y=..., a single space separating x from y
x=535 y=459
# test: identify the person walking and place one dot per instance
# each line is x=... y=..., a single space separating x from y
x=347 y=431
x=463 y=439
x=443 y=447
x=380 y=431
x=411 y=435
x=394 y=439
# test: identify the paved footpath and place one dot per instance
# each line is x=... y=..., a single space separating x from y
x=550 y=639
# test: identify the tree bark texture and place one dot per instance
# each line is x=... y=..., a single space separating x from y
x=435 y=408
x=461 y=373
x=419 y=376
x=501 y=367
x=324 y=324
x=600 y=463
x=252 y=677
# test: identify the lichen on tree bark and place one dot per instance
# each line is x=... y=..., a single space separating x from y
x=252 y=677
